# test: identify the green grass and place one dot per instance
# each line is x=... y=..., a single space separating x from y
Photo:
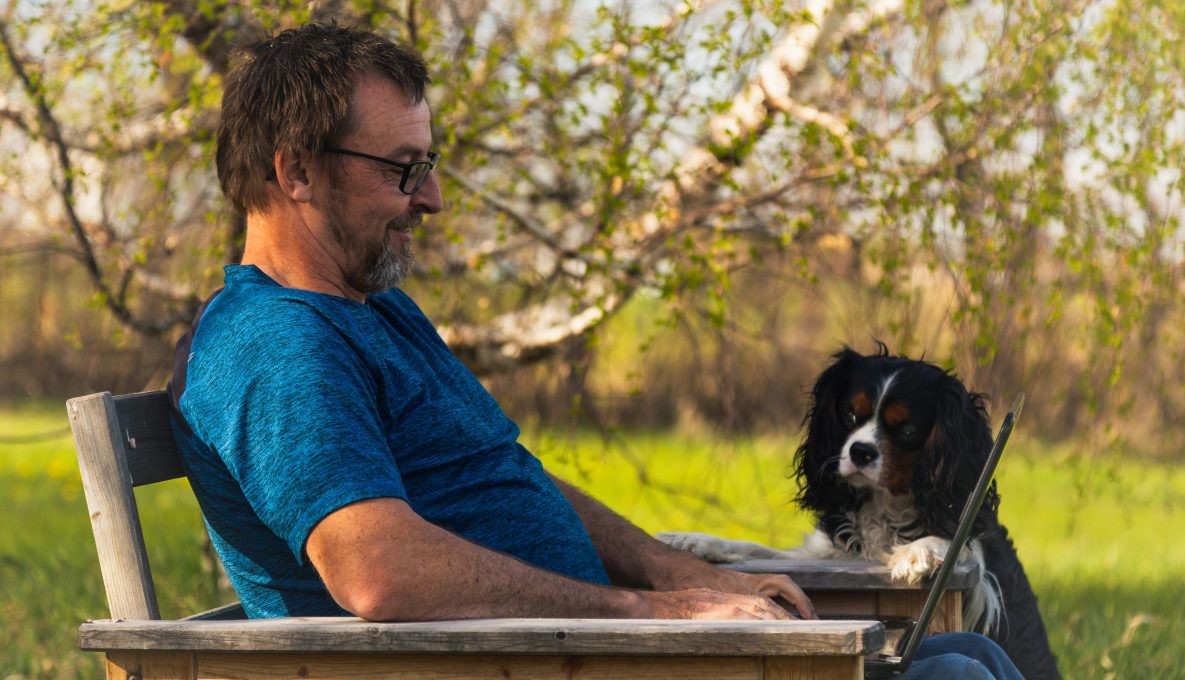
x=1093 y=533
x=49 y=570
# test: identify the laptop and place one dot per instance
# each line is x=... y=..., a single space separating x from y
x=887 y=665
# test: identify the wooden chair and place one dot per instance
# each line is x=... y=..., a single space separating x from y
x=126 y=441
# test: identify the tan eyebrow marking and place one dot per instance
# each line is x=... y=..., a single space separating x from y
x=861 y=404
x=896 y=414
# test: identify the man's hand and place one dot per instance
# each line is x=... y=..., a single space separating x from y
x=677 y=571
x=702 y=603
x=634 y=559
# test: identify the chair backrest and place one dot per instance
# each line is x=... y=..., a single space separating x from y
x=123 y=442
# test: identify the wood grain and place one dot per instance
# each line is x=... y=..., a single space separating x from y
x=151 y=450
x=115 y=521
x=515 y=636
x=347 y=666
x=814 y=668
x=239 y=666
x=852 y=574
x=844 y=602
x=947 y=618
x=151 y=666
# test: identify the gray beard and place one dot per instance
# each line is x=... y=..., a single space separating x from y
x=385 y=265
x=381 y=265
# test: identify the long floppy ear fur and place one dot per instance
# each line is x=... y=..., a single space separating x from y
x=956 y=452
x=817 y=460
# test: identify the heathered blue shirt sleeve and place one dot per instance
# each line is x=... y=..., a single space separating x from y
x=295 y=425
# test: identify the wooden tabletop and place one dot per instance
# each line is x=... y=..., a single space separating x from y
x=852 y=574
x=500 y=636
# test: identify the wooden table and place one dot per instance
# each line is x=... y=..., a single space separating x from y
x=523 y=649
x=865 y=588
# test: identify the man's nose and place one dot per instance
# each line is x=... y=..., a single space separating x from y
x=428 y=198
x=863 y=453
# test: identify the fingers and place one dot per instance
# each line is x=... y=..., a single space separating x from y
x=778 y=612
x=716 y=605
x=769 y=589
x=766 y=609
x=782 y=588
x=758 y=609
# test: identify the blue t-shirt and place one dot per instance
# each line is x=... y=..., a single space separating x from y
x=298 y=403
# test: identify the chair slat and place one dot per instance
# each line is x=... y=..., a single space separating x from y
x=115 y=521
x=144 y=427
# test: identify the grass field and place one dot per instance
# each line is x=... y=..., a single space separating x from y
x=1092 y=533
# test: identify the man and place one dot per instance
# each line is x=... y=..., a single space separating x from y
x=345 y=461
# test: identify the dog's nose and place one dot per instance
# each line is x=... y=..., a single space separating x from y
x=863 y=453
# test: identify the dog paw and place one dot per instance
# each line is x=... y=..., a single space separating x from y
x=710 y=548
x=913 y=561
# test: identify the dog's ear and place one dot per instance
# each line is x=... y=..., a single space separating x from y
x=957 y=451
x=817 y=460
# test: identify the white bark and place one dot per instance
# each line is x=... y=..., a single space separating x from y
x=789 y=68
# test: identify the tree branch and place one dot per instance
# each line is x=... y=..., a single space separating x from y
x=537 y=230
x=51 y=130
x=537 y=332
x=526 y=335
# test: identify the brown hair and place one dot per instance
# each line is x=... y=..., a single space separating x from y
x=291 y=93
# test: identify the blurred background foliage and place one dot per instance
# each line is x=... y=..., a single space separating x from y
x=660 y=213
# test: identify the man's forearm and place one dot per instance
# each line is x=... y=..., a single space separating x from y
x=381 y=561
x=438 y=575
x=633 y=558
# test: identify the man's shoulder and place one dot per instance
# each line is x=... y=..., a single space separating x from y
x=248 y=310
x=268 y=340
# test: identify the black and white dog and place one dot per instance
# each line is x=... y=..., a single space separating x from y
x=894 y=447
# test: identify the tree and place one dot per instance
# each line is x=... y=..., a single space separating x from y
x=1021 y=156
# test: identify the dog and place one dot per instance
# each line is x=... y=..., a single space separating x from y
x=893 y=448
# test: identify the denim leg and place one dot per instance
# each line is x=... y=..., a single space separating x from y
x=961 y=655
x=947 y=667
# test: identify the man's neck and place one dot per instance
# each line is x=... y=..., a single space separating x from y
x=291 y=253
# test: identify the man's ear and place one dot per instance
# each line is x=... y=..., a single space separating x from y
x=294 y=176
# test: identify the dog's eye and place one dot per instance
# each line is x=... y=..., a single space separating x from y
x=849 y=418
x=909 y=430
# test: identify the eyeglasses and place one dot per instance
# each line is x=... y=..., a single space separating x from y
x=414 y=173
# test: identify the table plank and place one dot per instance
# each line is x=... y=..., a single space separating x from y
x=852 y=574
x=814 y=668
x=150 y=666
x=503 y=636
x=947 y=618
x=229 y=666
x=243 y=666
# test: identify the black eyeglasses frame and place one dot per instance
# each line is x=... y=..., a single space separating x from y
x=406 y=168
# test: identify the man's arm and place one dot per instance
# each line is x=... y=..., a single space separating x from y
x=382 y=561
x=633 y=558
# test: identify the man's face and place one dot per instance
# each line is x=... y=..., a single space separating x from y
x=370 y=220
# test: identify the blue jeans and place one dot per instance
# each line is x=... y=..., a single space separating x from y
x=966 y=656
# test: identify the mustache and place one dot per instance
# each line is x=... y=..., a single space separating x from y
x=406 y=222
